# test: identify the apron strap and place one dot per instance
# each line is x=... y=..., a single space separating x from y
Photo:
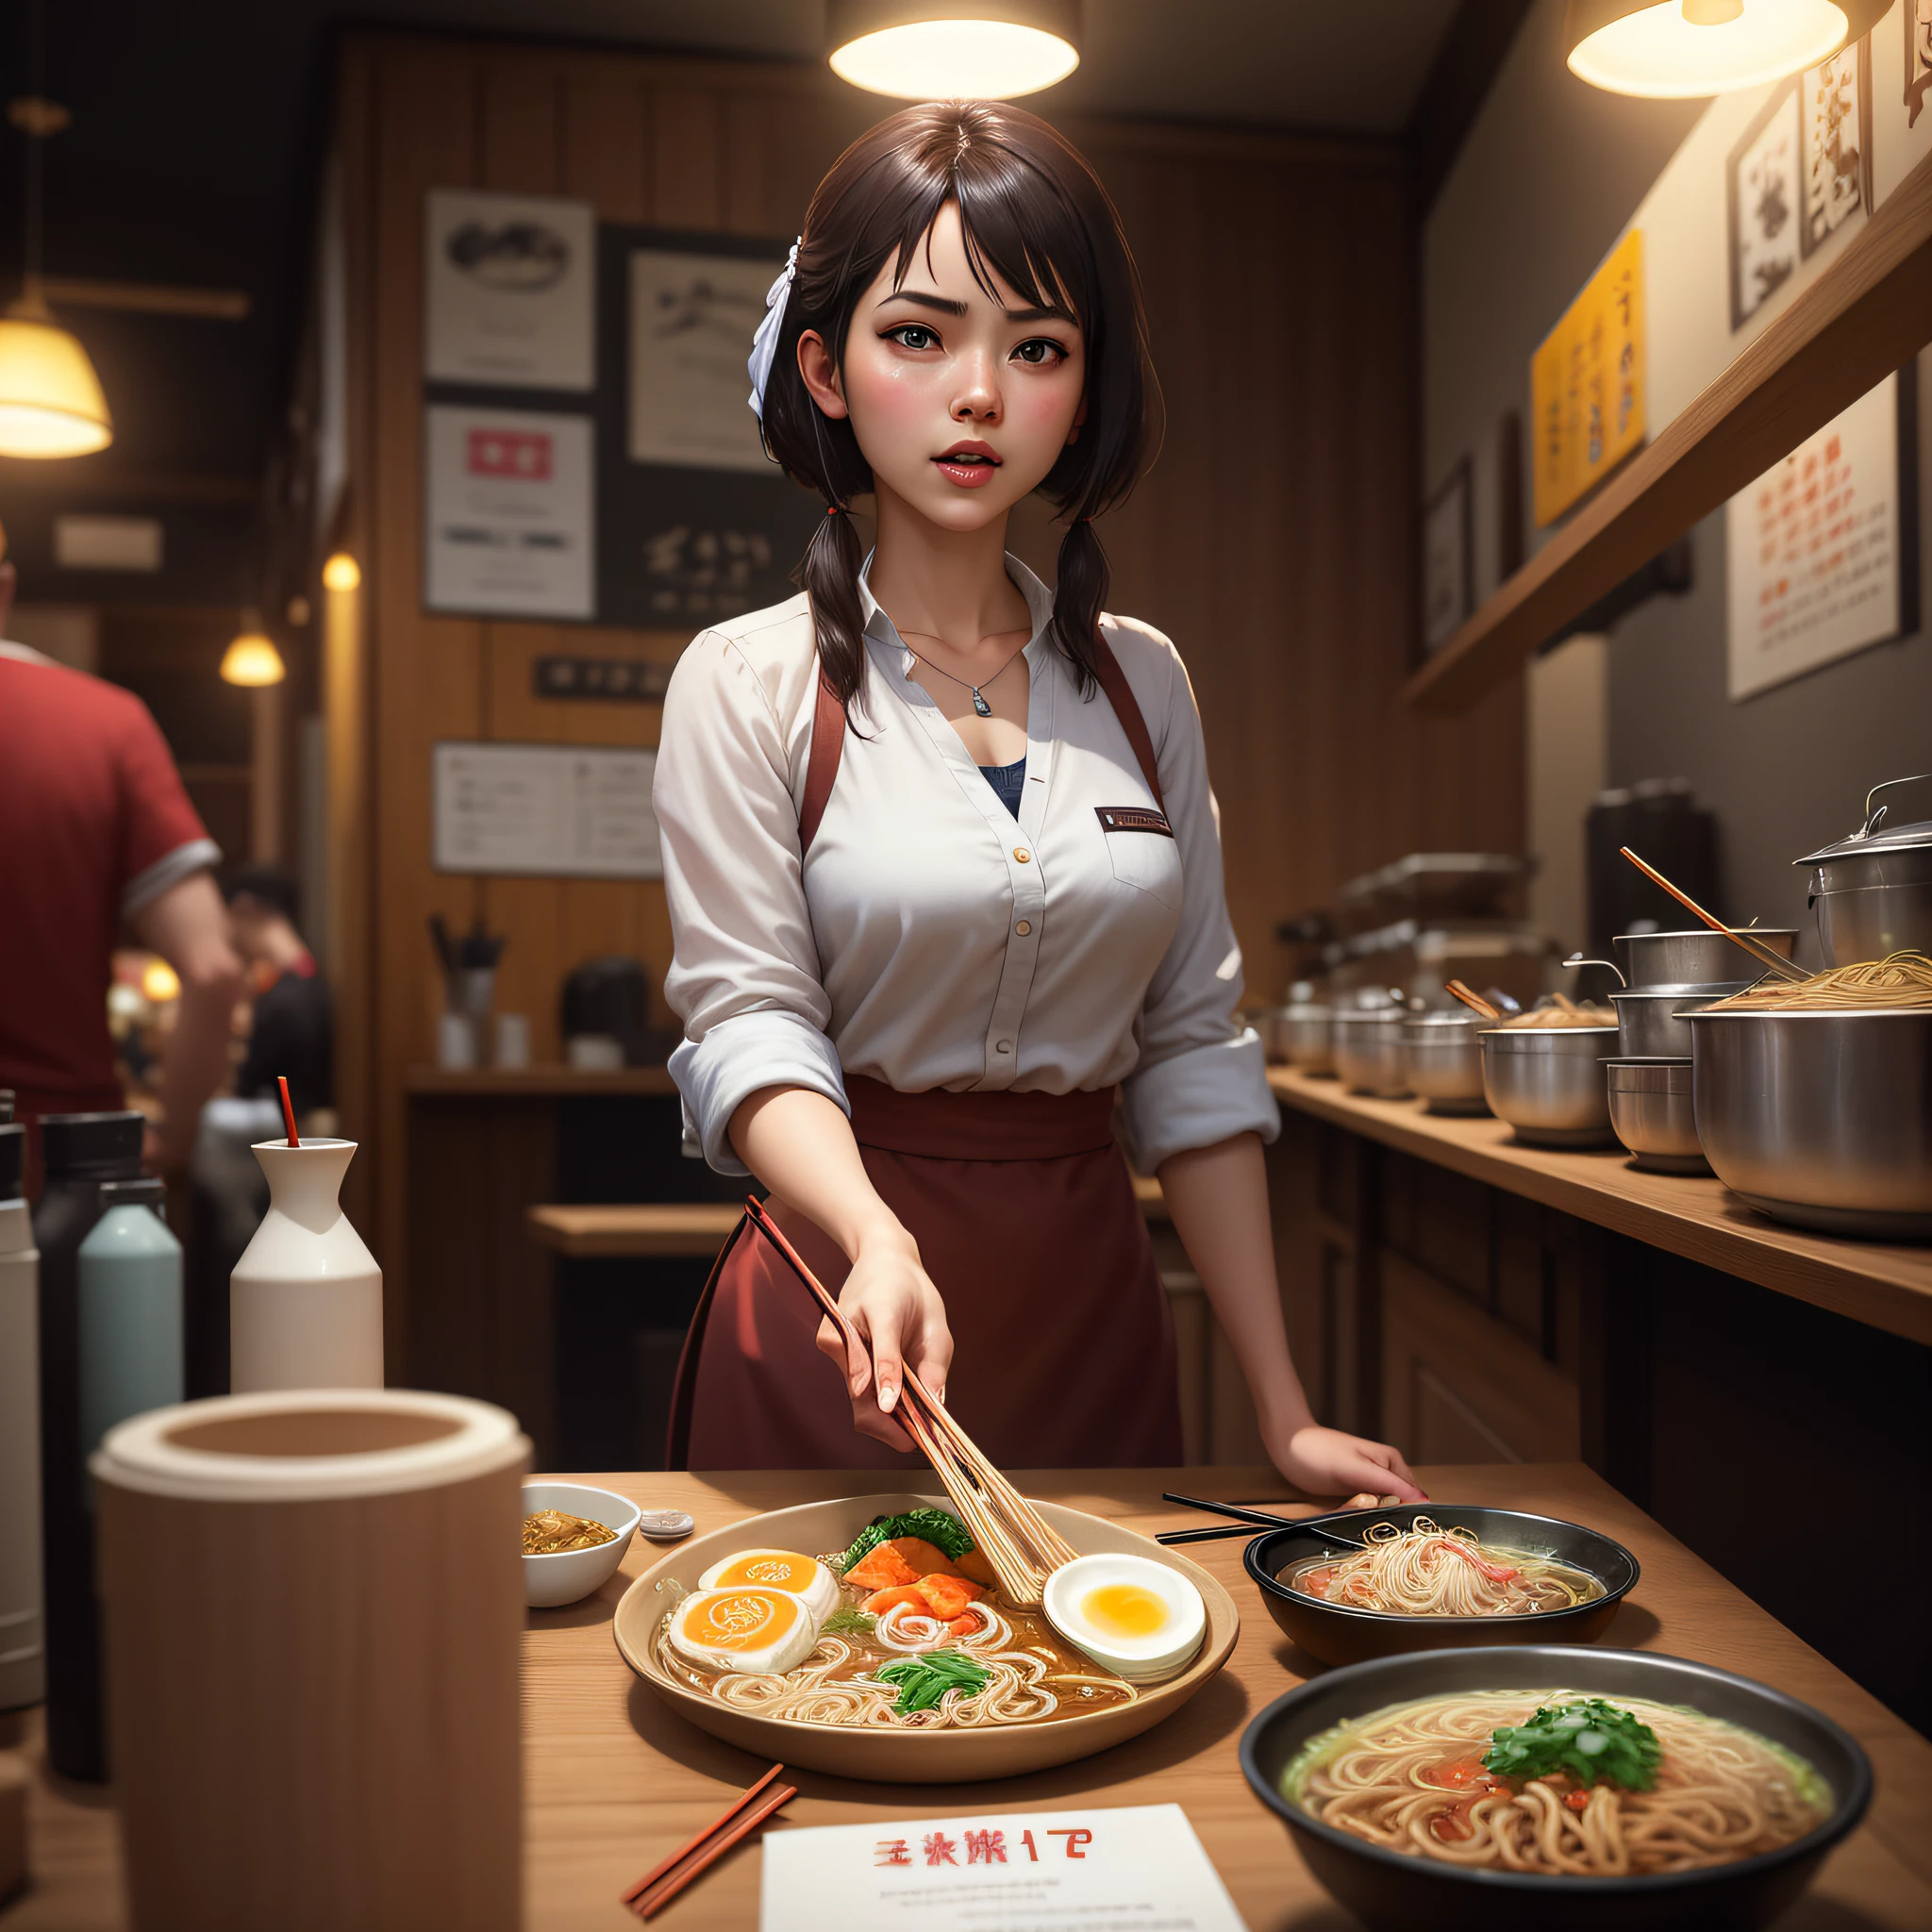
x=822 y=767
x=1119 y=694
x=828 y=740
x=684 y=1387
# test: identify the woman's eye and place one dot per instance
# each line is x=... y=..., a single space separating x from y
x=1040 y=350
x=912 y=335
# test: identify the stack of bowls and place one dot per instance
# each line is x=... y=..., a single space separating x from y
x=1368 y=1050
x=1548 y=1082
x=1669 y=975
x=1442 y=1061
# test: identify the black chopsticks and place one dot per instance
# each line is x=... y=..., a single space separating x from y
x=1250 y=1521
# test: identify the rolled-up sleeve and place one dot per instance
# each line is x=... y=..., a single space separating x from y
x=744 y=976
x=1200 y=1078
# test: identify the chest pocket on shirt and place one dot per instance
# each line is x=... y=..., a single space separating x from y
x=1141 y=843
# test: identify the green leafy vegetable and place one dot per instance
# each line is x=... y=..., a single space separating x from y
x=1589 y=1740
x=939 y=1527
x=847 y=1621
x=924 y=1680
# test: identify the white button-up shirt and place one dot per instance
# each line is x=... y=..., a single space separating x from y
x=929 y=938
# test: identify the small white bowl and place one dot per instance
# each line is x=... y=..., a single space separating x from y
x=566 y=1576
x=1139 y=1659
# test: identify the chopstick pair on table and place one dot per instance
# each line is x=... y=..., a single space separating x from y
x=664 y=1881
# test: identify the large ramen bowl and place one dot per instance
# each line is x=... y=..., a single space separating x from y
x=1340 y=1634
x=910 y=1757
x=1387 y=1888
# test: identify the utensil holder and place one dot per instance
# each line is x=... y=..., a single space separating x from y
x=314 y=1606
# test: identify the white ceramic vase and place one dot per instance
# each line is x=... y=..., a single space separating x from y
x=305 y=1301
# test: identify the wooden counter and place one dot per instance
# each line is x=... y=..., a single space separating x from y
x=615 y=1780
x=1694 y=1216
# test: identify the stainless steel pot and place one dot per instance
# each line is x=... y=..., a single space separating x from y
x=1872 y=892
x=1651 y=1111
x=1444 y=1061
x=1822 y=1120
x=1368 y=1050
x=1651 y=1023
x=1695 y=959
x=1307 y=1038
x=1548 y=1082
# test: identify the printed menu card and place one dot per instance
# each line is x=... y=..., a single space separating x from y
x=1136 y=1870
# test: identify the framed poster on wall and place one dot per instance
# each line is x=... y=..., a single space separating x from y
x=1822 y=551
x=544 y=811
x=509 y=291
x=1763 y=205
x=1448 y=559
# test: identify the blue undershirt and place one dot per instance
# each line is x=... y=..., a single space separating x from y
x=1007 y=782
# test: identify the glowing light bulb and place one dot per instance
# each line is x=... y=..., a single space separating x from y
x=954 y=49
x=1684 y=49
x=253 y=659
x=341 y=573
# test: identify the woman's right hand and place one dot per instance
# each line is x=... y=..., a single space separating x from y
x=890 y=1300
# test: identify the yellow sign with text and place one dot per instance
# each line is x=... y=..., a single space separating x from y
x=1586 y=384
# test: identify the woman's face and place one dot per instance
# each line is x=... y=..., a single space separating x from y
x=961 y=404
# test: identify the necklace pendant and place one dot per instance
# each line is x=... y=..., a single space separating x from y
x=980 y=705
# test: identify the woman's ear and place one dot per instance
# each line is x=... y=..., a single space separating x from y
x=821 y=377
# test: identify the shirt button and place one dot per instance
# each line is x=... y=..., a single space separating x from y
x=1003 y=1046
x=1024 y=927
x=1020 y=853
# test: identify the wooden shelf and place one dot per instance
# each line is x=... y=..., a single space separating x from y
x=1695 y=1216
x=533 y=1083
x=1865 y=316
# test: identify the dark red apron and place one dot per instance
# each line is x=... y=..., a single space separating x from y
x=1025 y=1220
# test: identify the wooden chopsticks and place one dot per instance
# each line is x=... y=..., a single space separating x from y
x=1022 y=1546
x=665 y=1880
x=1756 y=948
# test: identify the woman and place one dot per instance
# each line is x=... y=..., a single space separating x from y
x=945 y=871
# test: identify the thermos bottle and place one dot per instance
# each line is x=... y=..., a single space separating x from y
x=79 y=1152
x=23 y=1657
x=131 y=1342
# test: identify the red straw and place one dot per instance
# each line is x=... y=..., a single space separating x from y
x=288 y=1109
x=683 y=1852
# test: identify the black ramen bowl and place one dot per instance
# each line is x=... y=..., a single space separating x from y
x=1340 y=1634
x=1387 y=1888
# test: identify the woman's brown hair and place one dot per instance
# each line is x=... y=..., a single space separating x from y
x=1035 y=214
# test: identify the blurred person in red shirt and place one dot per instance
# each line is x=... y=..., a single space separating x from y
x=96 y=834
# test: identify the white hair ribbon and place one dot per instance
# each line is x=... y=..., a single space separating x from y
x=764 y=345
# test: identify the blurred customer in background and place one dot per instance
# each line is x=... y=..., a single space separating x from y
x=96 y=832
x=294 y=1021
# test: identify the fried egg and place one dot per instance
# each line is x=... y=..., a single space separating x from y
x=783 y=1569
x=1130 y=1614
x=763 y=1632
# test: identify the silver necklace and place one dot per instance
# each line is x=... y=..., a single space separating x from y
x=979 y=703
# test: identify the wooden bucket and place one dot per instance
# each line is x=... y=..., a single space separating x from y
x=314 y=1608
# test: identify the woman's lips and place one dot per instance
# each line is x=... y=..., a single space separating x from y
x=967 y=467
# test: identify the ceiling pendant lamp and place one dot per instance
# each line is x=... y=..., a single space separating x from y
x=1685 y=49
x=931 y=50
x=51 y=403
x=252 y=658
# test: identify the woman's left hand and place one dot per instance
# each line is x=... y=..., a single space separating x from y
x=1326 y=1462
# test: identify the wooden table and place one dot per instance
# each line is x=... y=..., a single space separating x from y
x=615 y=1780
x=1693 y=1215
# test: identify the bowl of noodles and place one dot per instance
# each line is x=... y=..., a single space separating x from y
x=1545 y=1785
x=902 y=1660
x=1436 y=1576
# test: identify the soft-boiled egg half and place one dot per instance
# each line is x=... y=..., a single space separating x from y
x=783 y=1569
x=745 y=1628
x=1131 y=1615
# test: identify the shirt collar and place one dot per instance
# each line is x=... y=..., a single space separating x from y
x=881 y=630
x=26 y=653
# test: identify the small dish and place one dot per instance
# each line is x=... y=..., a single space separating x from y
x=1131 y=1616
x=567 y=1576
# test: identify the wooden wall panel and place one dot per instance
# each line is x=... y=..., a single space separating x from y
x=1274 y=538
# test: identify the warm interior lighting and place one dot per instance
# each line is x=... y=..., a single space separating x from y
x=341 y=573
x=1681 y=49
x=158 y=983
x=925 y=50
x=51 y=403
x=252 y=660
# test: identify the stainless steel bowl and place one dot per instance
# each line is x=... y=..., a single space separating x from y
x=1650 y=1109
x=1308 y=1042
x=1368 y=1050
x=1651 y=1023
x=1548 y=1083
x=1695 y=959
x=1822 y=1120
x=1868 y=921
x=1443 y=1062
